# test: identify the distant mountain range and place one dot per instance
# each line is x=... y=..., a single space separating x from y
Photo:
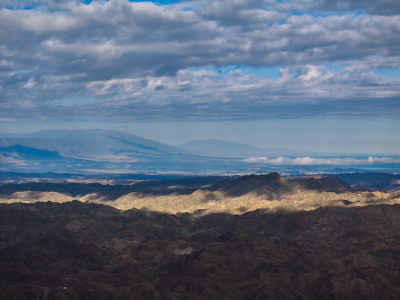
x=109 y=151
x=101 y=151
x=93 y=144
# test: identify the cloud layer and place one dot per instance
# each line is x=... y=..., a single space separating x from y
x=318 y=161
x=199 y=59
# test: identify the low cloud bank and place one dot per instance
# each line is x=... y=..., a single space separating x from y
x=309 y=161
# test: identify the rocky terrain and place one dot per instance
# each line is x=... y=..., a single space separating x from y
x=206 y=194
x=90 y=251
x=249 y=237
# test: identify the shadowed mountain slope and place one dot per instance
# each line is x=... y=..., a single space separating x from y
x=89 y=251
x=273 y=185
x=382 y=181
x=28 y=153
x=113 y=191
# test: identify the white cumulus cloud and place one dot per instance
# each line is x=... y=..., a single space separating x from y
x=310 y=161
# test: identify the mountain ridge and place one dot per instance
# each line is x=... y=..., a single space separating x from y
x=203 y=194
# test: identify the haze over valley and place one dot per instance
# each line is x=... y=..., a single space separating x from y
x=108 y=151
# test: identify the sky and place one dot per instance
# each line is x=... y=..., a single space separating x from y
x=307 y=74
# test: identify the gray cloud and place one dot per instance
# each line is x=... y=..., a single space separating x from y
x=238 y=12
x=385 y=7
x=130 y=57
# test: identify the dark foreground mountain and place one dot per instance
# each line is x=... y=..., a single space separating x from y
x=89 y=251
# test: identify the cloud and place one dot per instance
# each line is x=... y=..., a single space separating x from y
x=260 y=159
x=383 y=7
x=238 y=12
x=317 y=161
x=7 y=119
x=204 y=94
x=131 y=56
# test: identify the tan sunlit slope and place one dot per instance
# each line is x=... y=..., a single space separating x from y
x=246 y=193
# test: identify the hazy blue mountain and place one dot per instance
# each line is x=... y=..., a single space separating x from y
x=22 y=158
x=93 y=144
x=22 y=152
x=102 y=151
x=108 y=151
x=222 y=148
